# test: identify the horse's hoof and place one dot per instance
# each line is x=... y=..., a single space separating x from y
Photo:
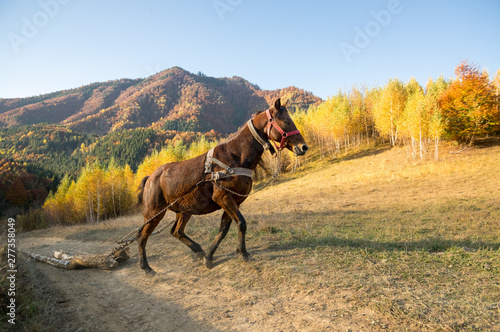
x=200 y=255
x=149 y=272
x=245 y=256
x=208 y=263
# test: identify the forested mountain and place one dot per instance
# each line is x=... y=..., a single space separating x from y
x=43 y=138
x=173 y=99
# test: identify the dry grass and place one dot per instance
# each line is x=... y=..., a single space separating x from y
x=411 y=245
x=370 y=241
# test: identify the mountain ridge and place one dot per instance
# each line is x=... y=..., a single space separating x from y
x=173 y=98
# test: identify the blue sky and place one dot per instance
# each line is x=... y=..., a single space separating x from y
x=320 y=46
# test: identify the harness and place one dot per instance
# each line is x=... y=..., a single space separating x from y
x=227 y=172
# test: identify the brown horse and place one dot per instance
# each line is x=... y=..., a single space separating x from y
x=199 y=193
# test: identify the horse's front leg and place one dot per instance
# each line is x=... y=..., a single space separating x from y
x=229 y=205
x=225 y=223
x=242 y=230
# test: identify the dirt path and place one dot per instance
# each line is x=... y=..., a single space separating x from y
x=183 y=296
x=119 y=300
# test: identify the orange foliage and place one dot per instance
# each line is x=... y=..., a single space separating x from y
x=469 y=105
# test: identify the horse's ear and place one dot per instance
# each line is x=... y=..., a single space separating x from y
x=286 y=103
x=277 y=104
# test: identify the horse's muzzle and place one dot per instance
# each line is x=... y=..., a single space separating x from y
x=300 y=150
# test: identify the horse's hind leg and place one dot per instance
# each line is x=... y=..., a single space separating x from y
x=143 y=239
x=178 y=232
x=224 y=228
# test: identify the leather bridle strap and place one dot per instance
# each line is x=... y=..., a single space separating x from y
x=284 y=135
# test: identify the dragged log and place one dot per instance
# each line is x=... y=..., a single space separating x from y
x=63 y=260
x=64 y=264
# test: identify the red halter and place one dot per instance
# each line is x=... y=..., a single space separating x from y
x=284 y=135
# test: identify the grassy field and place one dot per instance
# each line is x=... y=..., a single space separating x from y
x=416 y=242
x=369 y=241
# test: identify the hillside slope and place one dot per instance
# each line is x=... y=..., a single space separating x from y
x=172 y=99
x=370 y=241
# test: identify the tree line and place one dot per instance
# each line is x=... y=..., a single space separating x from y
x=461 y=109
x=99 y=193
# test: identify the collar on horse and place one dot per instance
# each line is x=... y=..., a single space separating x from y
x=228 y=171
x=271 y=123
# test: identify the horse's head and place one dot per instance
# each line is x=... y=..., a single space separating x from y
x=281 y=128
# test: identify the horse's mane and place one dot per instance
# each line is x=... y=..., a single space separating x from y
x=235 y=134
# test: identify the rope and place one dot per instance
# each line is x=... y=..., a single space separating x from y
x=229 y=190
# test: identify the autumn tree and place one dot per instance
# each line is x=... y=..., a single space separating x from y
x=434 y=89
x=17 y=193
x=361 y=113
x=412 y=124
x=118 y=184
x=329 y=123
x=199 y=147
x=60 y=207
x=167 y=154
x=388 y=108
x=496 y=85
x=370 y=98
x=469 y=105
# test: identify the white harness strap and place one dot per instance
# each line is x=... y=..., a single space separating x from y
x=228 y=171
x=256 y=135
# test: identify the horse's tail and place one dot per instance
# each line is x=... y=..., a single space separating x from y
x=141 y=190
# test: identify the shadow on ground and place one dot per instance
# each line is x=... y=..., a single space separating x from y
x=290 y=238
x=431 y=245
